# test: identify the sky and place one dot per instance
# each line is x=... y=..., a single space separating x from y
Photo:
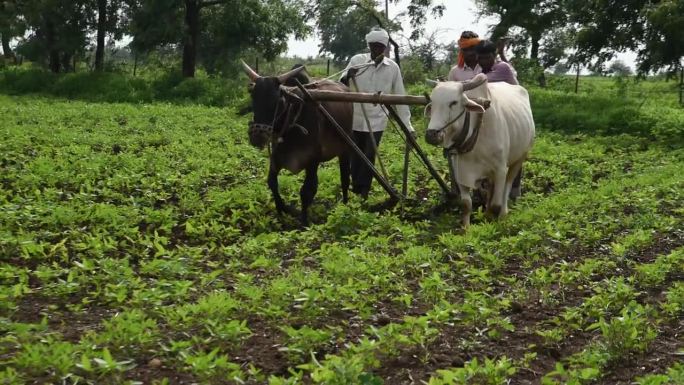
x=459 y=15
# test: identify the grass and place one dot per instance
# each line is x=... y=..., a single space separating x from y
x=139 y=243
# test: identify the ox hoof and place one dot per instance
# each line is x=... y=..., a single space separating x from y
x=494 y=211
x=289 y=210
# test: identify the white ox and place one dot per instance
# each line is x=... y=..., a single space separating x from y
x=506 y=135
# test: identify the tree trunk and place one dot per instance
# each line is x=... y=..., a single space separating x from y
x=53 y=53
x=101 y=33
x=501 y=29
x=192 y=11
x=681 y=86
x=577 y=79
x=534 y=52
x=397 y=59
x=542 y=79
x=54 y=61
x=534 y=55
x=6 y=49
x=66 y=62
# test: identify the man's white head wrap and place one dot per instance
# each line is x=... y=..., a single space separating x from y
x=378 y=35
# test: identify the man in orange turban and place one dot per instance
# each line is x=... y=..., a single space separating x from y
x=467 y=66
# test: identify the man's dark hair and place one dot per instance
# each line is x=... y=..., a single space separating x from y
x=486 y=47
x=469 y=35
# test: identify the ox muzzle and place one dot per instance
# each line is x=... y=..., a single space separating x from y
x=434 y=137
x=259 y=134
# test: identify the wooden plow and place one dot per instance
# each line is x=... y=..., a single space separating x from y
x=387 y=100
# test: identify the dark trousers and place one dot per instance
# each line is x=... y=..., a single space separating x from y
x=361 y=174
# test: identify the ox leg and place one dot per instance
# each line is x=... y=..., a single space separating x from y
x=486 y=192
x=273 y=185
x=308 y=191
x=514 y=173
x=466 y=205
x=498 y=201
x=345 y=173
x=516 y=179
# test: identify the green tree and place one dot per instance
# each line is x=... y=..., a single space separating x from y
x=215 y=29
x=343 y=24
x=663 y=42
x=619 y=68
x=536 y=17
x=59 y=31
x=427 y=49
x=651 y=28
x=11 y=25
x=605 y=27
x=342 y=27
x=543 y=24
x=110 y=20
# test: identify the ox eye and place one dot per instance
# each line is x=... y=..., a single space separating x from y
x=452 y=104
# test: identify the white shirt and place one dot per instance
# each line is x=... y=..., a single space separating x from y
x=458 y=74
x=385 y=78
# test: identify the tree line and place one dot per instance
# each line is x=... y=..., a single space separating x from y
x=213 y=34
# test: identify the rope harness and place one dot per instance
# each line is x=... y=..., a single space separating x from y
x=464 y=143
x=466 y=139
x=289 y=106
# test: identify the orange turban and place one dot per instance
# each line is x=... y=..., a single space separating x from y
x=465 y=44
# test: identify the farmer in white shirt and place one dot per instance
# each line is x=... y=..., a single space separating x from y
x=372 y=72
x=467 y=66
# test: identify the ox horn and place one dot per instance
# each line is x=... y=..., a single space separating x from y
x=284 y=77
x=475 y=82
x=253 y=76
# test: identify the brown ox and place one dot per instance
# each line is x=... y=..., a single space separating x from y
x=300 y=138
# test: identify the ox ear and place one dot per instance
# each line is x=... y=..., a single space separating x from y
x=473 y=106
x=432 y=83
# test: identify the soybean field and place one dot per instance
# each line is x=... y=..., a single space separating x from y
x=139 y=244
